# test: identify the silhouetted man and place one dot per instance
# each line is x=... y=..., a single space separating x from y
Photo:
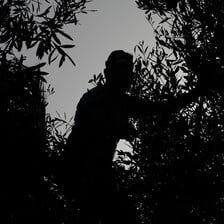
x=101 y=120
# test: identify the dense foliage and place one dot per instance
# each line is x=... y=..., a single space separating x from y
x=176 y=167
x=174 y=173
x=194 y=30
x=40 y=25
x=35 y=26
x=175 y=170
x=22 y=121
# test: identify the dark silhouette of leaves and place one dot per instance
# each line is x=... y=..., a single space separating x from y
x=41 y=23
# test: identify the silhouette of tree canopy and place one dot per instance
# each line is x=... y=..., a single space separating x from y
x=175 y=171
x=22 y=119
x=38 y=26
x=194 y=31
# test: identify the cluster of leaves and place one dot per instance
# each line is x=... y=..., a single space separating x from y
x=97 y=80
x=19 y=82
x=193 y=29
x=36 y=25
x=177 y=160
x=57 y=131
x=39 y=24
x=56 y=201
x=175 y=173
x=22 y=119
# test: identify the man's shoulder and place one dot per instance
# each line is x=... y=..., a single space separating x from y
x=93 y=95
x=94 y=92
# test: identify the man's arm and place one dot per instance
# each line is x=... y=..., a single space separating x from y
x=143 y=107
x=181 y=101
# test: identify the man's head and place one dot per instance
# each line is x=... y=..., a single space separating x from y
x=119 y=70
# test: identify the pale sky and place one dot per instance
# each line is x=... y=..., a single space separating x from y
x=117 y=24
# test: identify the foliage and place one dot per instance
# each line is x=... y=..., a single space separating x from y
x=55 y=200
x=179 y=156
x=194 y=30
x=39 y=24
x=175 y=173
x=57 y=131
x=22 y=118
x=97 y=80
